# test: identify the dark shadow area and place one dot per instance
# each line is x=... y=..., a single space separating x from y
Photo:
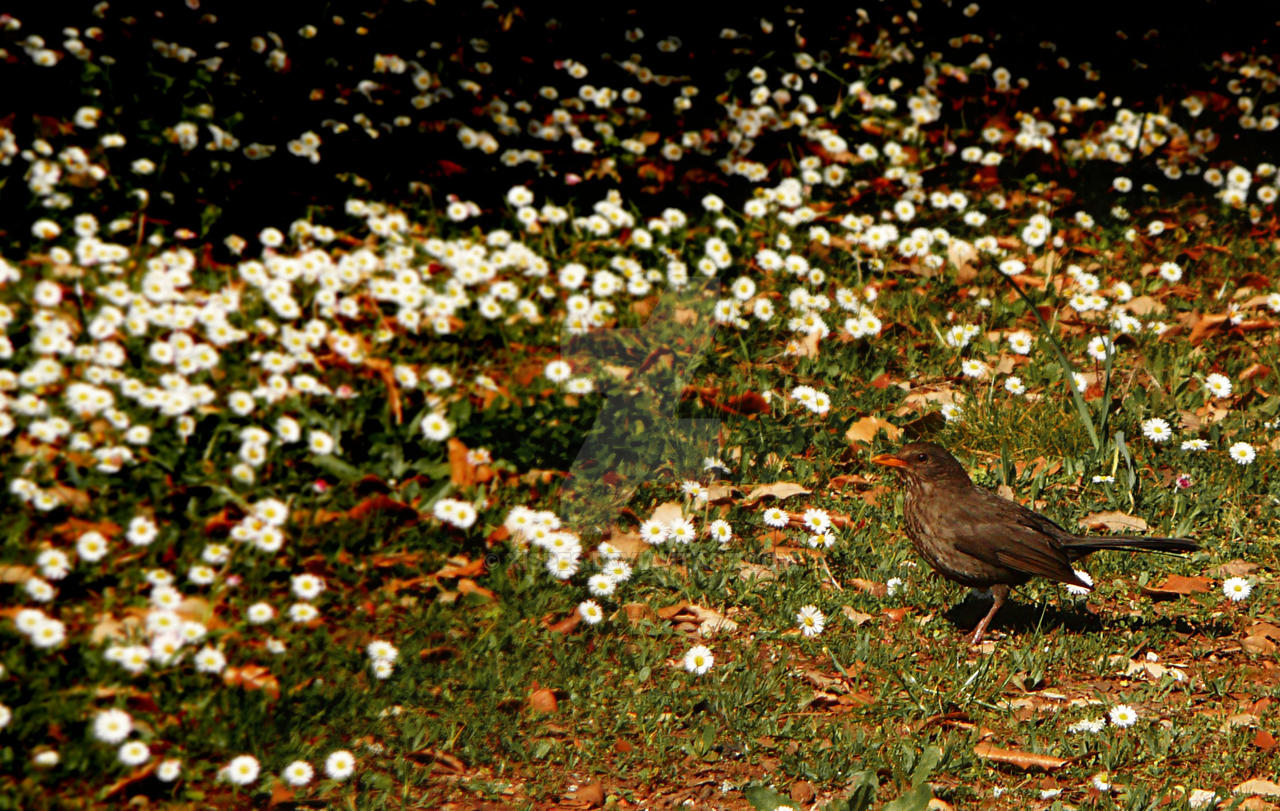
x=1017 y=619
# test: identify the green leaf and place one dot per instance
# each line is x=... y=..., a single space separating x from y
x=917 y=799
x=337 y=467
x=929 y=760
x=765 y=799
x=865 y=785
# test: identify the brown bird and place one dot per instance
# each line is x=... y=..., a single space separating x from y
x=976 y=538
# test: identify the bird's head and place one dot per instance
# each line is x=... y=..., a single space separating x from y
x=923 y=461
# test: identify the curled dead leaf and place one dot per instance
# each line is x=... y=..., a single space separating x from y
x=868 y=587
x=707 y=621
x=1258 y=786
x=252 y=677
x=855 y=616
x=1114 y=521
x=778 y=490
x=1027 y=761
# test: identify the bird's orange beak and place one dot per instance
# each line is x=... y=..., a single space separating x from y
x=888 y=460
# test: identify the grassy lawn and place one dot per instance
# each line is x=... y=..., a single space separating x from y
x=393 y=423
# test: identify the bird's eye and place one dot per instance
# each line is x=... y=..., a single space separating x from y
x=922 y=457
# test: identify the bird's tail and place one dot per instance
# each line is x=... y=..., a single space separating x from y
x=1093 y=543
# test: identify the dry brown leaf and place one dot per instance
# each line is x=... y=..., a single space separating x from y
x=1264 y=740
x=794 y=554
x=133 y=777
x=926 y=399
x=1255 y=370
x=1142 y=667
x=807 y=347
x=13 y=573
x=1262 y=637
x=252 y=677
x=755 y=571
x=1046 y=262
x=106 y=626
x=845 y=479
x=855 y=616
x=1114 y=520
x=963 y=257
x=1143 y=305
x=1236 y=568
x=707 y=621
x=590 y=795
x=460 y=566
x=668 y=513
x=461 y=472
x=868 y=587
x=434 y=756
x=1176 y=585
x=1237 y=720
x=1258 y=786
x=717 y=493
x=542 y=700
x=1027 y=761
x=630 y=544
x=468 y=586
x=635 y=612
x=778 y=490
x=865 y=430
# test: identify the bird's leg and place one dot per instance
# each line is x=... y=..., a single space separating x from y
x=999 y=593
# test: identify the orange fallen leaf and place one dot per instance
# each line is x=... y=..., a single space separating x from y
x=461 y=472
x=564 y=625
x=134 y=777
x=1176 y=585
x=252 y=677
x=590 y=795
x=1264 y=740
x=865 y=430
x=896 y=614
x=459 y=566
x=542 y=700
x=1255 y=370
x=468 y=586
x=869 y=587
x=1027 y=761
x=401 y=512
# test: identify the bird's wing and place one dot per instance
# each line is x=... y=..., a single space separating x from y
x=1004 y=533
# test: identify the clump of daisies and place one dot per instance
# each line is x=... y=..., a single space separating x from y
x=816 y=401
x=382 y=657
